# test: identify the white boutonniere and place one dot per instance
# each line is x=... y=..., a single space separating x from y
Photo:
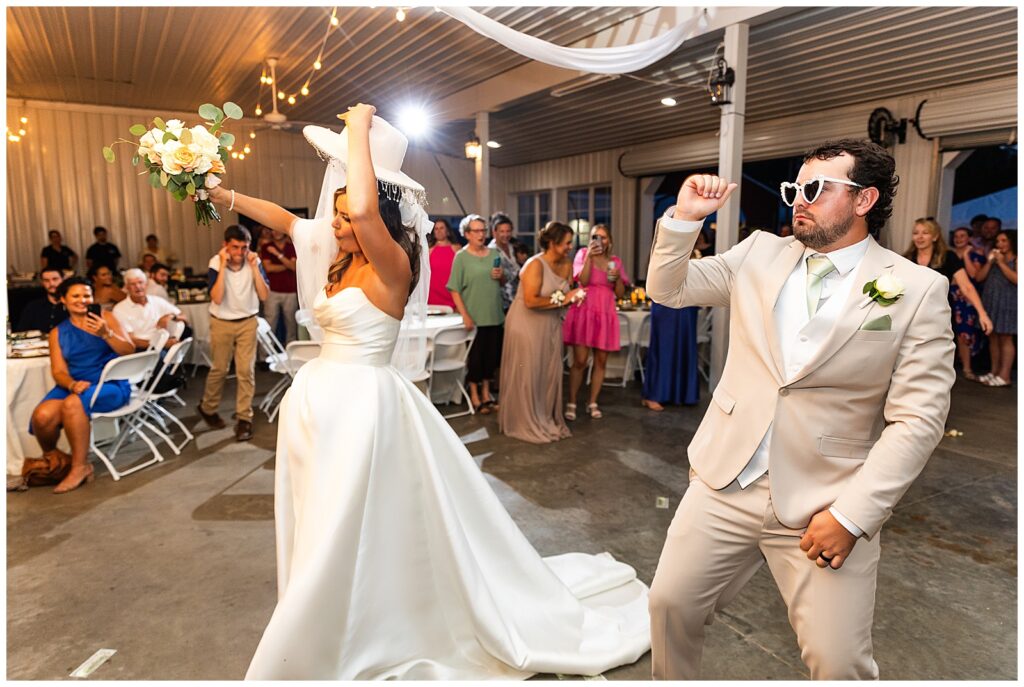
x=885 y=290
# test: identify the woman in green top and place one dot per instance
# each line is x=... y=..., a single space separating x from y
x=475 y=285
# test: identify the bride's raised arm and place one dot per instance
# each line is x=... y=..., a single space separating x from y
x=263 y=211
x=390 y=262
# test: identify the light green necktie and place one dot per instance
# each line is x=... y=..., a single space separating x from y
x=818 y=266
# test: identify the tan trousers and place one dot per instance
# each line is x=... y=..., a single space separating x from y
x=715 y=544
x=227 y=339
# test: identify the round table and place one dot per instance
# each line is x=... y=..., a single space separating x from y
x=28 y=380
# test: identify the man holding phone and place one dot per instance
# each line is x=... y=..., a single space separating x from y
x=237 y=286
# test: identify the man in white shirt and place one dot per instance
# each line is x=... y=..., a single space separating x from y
x=141 y=314
x=237 y=286
x=833 y=397
x=159 y=274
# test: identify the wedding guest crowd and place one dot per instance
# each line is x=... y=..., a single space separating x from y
x=43 y=314
x=238 y=285
x=80 y=347
x=475 y=285
x=443 y=245
x=105 y=291
x=278 y=256
x=531 y=372
x=592 y=327
x=102 y=253
x=56 y=255
x=999 y=294
x=142 y=314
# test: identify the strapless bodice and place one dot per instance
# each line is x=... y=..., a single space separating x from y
x=355 y=330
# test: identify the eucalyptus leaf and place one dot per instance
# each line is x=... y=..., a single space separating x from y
x=179 y=194
x=164 y=178
x=108 y=153
x=159 y=123
x=215 y=128
x=227 y=139
x=168 y=136
x=135 y=159
x=186 y=137
x=233 y=111
x=190 y=189
x=208 y=111
x=137 y=129
x=154 y=179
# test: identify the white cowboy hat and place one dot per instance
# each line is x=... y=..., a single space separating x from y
x=387 y=150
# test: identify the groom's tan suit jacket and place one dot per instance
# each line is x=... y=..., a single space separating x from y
x=856 y=425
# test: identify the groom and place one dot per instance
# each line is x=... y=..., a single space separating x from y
x=831 y=402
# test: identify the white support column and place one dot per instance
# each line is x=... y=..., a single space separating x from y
x=730 y=166
x=483 y=166
x=648 y=188
x=947 y=176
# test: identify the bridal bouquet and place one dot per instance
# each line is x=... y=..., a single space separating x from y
x=184 y=160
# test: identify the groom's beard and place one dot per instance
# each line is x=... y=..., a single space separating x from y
x=817 y=234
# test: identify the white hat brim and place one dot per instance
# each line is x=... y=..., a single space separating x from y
x=335 y=146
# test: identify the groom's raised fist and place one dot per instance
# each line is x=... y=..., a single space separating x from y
x=700 y=195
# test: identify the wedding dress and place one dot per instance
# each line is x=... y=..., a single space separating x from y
x=395 y=557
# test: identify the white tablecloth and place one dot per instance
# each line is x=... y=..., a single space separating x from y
x=28 y=380
x=198 y=316
x=636 y=319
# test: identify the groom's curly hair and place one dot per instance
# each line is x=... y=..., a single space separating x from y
x=872 y=166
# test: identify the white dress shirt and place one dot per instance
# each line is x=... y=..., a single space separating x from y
x=140 y=320
x=800 y=336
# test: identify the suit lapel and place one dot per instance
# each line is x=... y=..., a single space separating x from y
x=875 y=262
x=783 y=265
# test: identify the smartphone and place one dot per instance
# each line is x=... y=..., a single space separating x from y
x=497 y=261
x=95 y=309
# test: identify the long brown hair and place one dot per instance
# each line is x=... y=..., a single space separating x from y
x=405 y=237
x=940 y=248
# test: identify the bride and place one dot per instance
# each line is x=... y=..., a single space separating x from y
x=395 y=558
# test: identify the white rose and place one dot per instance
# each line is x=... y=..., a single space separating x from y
x=207 y=142
x=889 y=287
x=212 y=181
x=170 y=164
x=202 y=162
x=175 y=126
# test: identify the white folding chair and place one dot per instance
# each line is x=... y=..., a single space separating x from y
x=131 y=417
x=276 y=358
x=440 y=310
x=449 y=354
x=297 y=354
x=158 y=340
x=172 y=361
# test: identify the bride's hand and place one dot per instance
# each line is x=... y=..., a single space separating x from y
x=360 y=115
x=219 y=195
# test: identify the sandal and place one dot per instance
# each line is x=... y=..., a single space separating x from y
x=594 y=411
x=996 y=380
x=488 y=407
x=570 y=411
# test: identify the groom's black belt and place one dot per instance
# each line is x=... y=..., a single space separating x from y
x=237 y=319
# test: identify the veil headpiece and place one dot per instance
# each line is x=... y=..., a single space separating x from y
x=387 y=150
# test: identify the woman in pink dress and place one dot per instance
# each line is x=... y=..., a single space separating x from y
x=443 y=247
x=593 y=327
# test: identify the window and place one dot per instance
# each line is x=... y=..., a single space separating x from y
x=534 y=210
x=587 y=207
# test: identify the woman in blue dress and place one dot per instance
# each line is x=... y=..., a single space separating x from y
x=671 y=375
x=80 y=347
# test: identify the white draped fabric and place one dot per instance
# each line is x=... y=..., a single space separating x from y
x=614 y=60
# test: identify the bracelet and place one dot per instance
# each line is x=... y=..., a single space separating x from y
x=232 y=206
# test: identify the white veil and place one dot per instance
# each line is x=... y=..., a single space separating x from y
x=316 y=249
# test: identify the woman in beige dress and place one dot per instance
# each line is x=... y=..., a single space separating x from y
x=531 y=367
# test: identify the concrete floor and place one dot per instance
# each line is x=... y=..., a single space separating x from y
x=174 y=566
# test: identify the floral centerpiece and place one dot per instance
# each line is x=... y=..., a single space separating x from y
x=184 y=160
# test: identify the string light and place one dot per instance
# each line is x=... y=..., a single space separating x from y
x=334 y=20
x=318 y=64
x=252 y=134
x=234 y=156
x=246 y=150
x=291 y=100
x=400 y=14
x=259 y=110
x=241 y=156
x=305 y=90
